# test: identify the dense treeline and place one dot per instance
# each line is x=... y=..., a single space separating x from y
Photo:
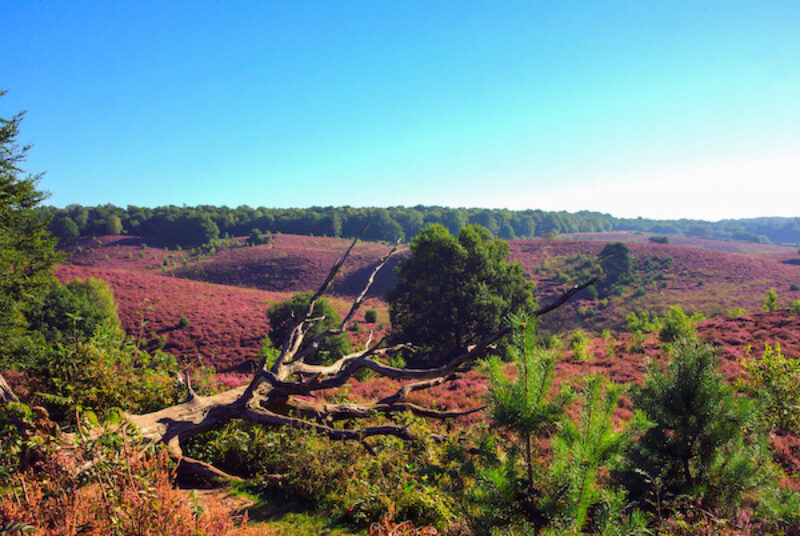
x=192 y=226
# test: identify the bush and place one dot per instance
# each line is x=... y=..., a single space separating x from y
x=74 y=311
x=795 y=308
x=337 y=477
x=676 y=325
x=643 y=322
x=775 y=380
x=101 y=374
x=794 y=287
x=183 y=322
x=578 y=343
x=701 y=445
x=771 y=302
x=539 y=496
x=111 y=485
x=370 y=316
x=658 y=240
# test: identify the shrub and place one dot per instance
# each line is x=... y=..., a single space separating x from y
x=643 y=322
x=74 y=311
x=333 y=476
x=560 y=495
x=637 y=341
x=103 y=373
x=578 y=343
x=585 y=447
x=795 y=308
x=183 y=322
x=110 y=485
x=775 y=380
x=794 y=287
x=370 y=316
x=676 y=325
x=658 y=240
x=734 y=313
x=700 y=445
x=771 y=302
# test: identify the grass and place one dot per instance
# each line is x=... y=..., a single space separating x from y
x=289 y=518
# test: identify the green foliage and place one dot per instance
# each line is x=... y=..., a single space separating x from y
x=703 y=443
x=113 y=225
x=370 y=316
x=562 y=495
x=336 y=477
x=794 y=287
x=578 y=343
x=675 y=325
x=643 y=322
x=100 y=374
x=617 y=264
x=525 y=404
x=583 y=448
x=389 y=224
x=183 y=322
x=658 y=239
x=775 y=380
x=257 y=238
x=795 y=308
x=734 y=313
x=453 y=291
x=26 y=248
x=282 y=318
x=74 y=311
x=18 y=442
x=65 y=227
x=771 y=302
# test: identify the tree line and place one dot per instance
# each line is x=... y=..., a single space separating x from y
x=199 y=225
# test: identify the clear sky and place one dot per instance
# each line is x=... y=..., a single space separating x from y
x=654 y=109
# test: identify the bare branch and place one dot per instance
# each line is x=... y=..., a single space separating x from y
x=262 y=416
x=351 y=313
x=565 y=297
x=323 y=412
x=292 y=342
x=407 y=389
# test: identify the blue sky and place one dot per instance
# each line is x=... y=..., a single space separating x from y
x=654 y=109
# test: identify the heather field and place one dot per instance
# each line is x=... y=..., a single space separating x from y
x=727 y=246
x=293 y=263
x=226 y=325
x=224 y=295
x=698 y=279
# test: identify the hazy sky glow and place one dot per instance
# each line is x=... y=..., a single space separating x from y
x=663 y=110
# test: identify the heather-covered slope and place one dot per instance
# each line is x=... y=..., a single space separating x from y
x=699 y=280
x=227 y=323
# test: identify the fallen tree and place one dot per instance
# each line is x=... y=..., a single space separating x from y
x=281 y=393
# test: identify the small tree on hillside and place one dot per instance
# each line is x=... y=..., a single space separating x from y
x=771 y=302
x=703 y=443
x=615 y=259
x=452 y=291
